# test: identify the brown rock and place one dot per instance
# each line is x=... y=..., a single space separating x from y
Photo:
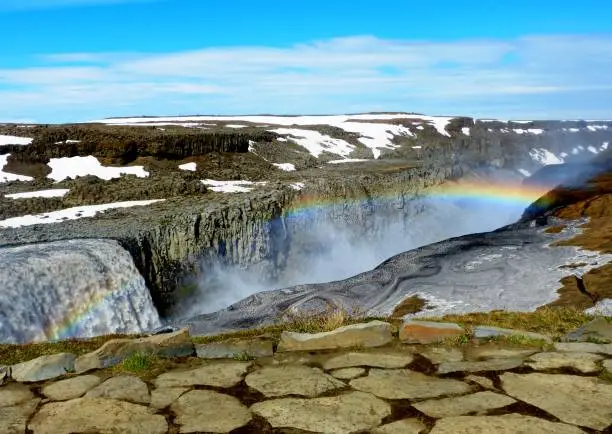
x=427 y=332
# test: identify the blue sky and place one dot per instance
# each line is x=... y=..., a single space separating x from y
x=73 y=60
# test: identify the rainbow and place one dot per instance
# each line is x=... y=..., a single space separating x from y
x=504 y=194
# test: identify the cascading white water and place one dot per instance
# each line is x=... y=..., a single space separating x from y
x=74 y=288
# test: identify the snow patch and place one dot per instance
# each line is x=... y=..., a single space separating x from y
x=347 y=160
x=67 y=141
x=315 y=142
x=466 y=130
x=8 y=177
x=287 y=167
x=297 y=185
x=230 y=186
x=189 y=166
x=57 y=192
x=14 y=140
x=545 y=157
x=71 y=167
x=536 y=131
x=74 y=213
x=236 y=126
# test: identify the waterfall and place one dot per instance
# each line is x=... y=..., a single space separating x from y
x=75 y=288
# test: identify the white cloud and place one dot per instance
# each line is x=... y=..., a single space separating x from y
x=539 y=76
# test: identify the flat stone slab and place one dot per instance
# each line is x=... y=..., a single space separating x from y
x=587 y=363
x=407 y=384
x=477 y=403
x=292 y=380
x=370 y=334
x=13 y=419
x=485 y=332
x=14 y=394
x=584 y=347
x=347 y=373
x=229 y=349
x=124 y=387
x=607 y=365
x=208 y=411
x=96 y=415
x=483 y=382
x=218 y=374
x=427 y=332
x=404 y=426
x=480 y=366
x=346 y=413
x=480 y=353
x=162 y=398
x=113 y=352
x=598 y=328
x=437 y=355
x=70 y=388
x=583 y=401
x=375 y=360
x=505 y=424
x=5 y=374
x=43 y=368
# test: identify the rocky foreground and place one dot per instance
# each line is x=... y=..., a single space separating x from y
x=370 y=377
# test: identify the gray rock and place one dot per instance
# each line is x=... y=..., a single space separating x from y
x=582 y=401
x=96 y=415
x=13 y=394
x=13 y=419
x=505 y=424
x=347 y=373
x=484 y=332
x=404 y=426
x=229 y=349
x=599 y=329
x=480 y=366
x=70 y=388
x=292 y=380
x=584 y=347
x=407 y=384
x=478 y=403
x=208 y=411
x=113 y=352
x=370 y=334
x=215 y=375
x=346 y=413
x=44 y=368
x=375 y=360
x=124 y=387
x=163 y=397
x=427 y=332
x=587 y=363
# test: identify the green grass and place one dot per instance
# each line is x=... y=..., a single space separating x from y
x=137 y=362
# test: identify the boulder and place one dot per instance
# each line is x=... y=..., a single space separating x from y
x=208 y=411
x=407 y=384
x=43 y=368
x=370 y=334
x=218 y=374
x=70 y=388
x=505 y=424
x=124 y=387
x=96 y=415
x=375 y=360
x=113 y=352
x=477 y=403
x=583 y=401
x=346 y=413
x=232 y=348
x=599 y=329
x=427 y=332
x=485 y=332
x=298 y=380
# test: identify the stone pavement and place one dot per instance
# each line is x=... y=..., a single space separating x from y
x=365 y=378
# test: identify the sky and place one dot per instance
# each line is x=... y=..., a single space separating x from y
x=79 y=60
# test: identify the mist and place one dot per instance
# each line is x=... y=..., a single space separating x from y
x=323 y=250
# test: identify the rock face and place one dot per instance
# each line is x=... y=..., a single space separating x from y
x=370 y=334
x=346 y=413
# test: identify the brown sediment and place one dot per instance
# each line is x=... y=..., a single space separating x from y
x=412 y=304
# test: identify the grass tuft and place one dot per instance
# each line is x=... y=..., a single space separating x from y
x=137 y=362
